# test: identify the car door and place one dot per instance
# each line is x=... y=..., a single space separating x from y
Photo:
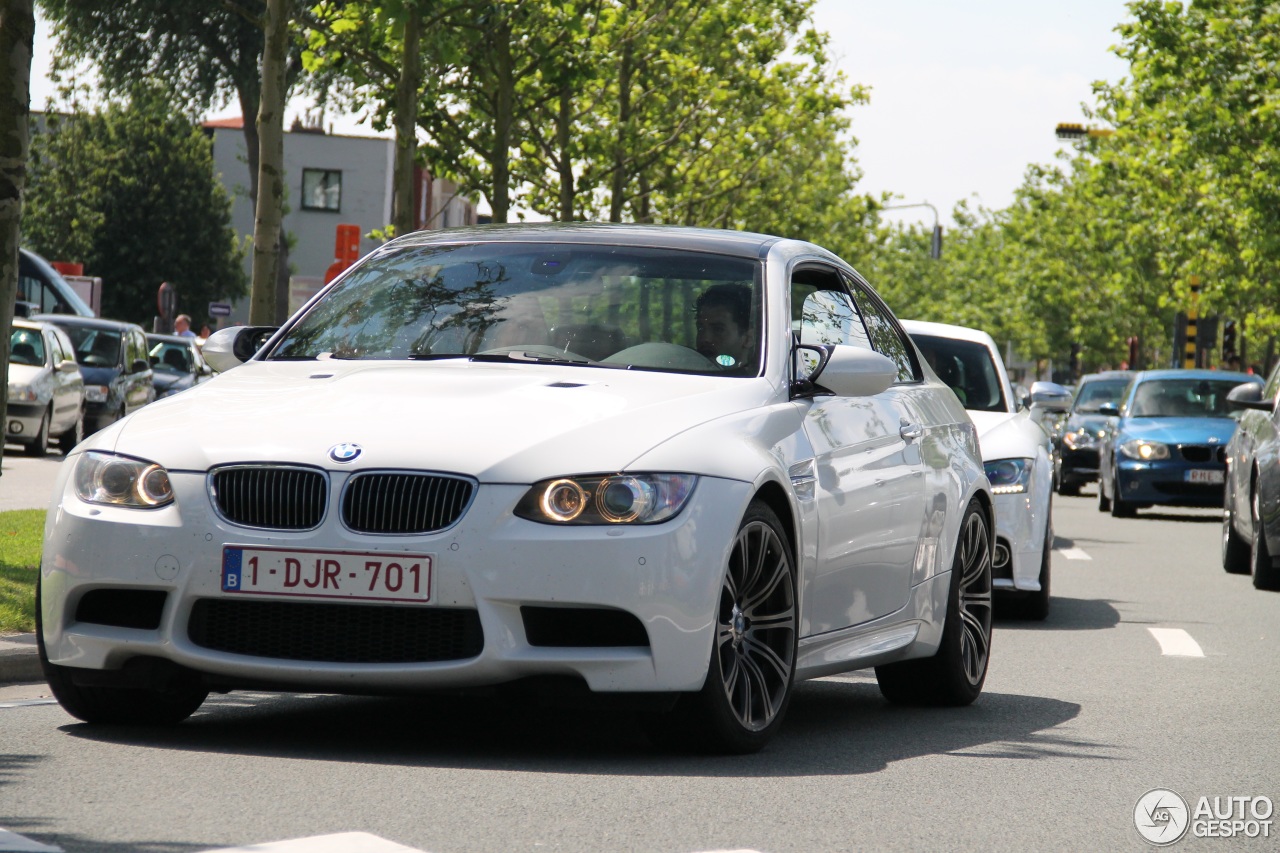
x=67 y=384
x=868 y=467
x=139 y=388
x=1260 y=433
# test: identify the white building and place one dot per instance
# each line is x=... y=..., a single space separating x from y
x=331 y=181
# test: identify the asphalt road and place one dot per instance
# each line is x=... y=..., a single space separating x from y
x=1082 y=715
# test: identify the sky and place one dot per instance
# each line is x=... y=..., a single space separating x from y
x=964 y=95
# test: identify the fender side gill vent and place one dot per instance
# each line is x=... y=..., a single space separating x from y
x=566 y=384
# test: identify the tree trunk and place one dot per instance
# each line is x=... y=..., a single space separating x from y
x=263 y=305
x=17 y=39
x=407 y=120
x=503 y=122
x=618 y=186
x=564 y=135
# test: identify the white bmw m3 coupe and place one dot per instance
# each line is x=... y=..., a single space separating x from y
x=695 y=463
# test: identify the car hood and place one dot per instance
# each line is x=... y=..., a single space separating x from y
x=1092 y=423
x=1005 y=435
x=170 y=381
x=24 y=374
x=99 y=375
x=513 y=423
x=1179 y=430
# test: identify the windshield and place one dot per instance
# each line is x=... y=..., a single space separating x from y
x=1182 y=398
x=1095 y=393
x=95 y=347
x=26 y=347
x=967 y=367
x=167 y=357
x=613 y=306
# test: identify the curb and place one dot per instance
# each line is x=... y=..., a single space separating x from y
x=19 y=659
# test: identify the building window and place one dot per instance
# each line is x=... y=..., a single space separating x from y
x=321 y=189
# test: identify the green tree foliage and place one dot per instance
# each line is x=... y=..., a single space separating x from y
x=149 y=207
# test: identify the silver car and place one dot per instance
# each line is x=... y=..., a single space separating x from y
x=46 y=390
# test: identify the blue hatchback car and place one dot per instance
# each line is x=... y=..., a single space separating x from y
x=1165 y=440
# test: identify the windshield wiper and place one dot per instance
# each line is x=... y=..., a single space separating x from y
x=535 y=357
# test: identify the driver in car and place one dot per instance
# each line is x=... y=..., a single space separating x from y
x=724 y=326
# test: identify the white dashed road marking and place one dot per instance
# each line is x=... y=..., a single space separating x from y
x=1074 y=554
x=12 y=842
x=1176 y=642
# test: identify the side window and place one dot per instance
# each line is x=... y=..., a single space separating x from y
x=886 y=338
x=822 y=311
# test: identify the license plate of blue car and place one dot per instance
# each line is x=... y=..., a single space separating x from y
x=1205 y=475
x=300 y=573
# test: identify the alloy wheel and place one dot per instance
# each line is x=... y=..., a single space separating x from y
x=975 y=597
x=756 y=627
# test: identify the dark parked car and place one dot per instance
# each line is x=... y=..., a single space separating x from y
x=1166 y=440
x=1250 y=521
x=115 y=365
x=176 y=364
x=1078 y=436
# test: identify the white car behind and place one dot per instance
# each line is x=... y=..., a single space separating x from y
x=1016 y=451
x=46 y=390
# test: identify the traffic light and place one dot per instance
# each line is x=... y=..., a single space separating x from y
x=1228 y=339
x=1133 y=352
x=1070 y=131
x=935 y=243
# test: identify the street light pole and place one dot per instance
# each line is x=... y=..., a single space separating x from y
x=935 y=242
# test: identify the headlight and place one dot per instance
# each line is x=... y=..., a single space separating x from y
x=1080 y=440
x=607 y=499
x=1008 y=476
x=1140 y=448
x=21 y=394
x=104 y=478
x=96 y=393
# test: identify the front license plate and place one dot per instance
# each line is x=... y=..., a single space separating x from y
x=1205 y=475
x=327 y=574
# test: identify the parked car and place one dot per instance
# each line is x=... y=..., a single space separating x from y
x=46 y=390
x=43 y=290
x=1165 y=441
x=1250 y=520
x=695 y=463
x=176 y=364
x=1080 y=434
x=113 y=360
x=1016 y=453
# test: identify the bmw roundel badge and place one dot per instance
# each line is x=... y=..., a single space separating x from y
x=344 y=452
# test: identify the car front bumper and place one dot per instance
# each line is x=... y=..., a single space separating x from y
x=490 y=566
x=1078 y=466
x=1019 y=531
x=22 y=420
x=1169 y=482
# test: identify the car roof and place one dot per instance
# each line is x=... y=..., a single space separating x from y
x=946 y=330
x=1195 y=373
x=742 y=244
x=88 y=322
x=1107 y=374
x=155 y=337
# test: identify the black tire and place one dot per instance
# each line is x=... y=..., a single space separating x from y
x=753 y=656
x=136 y=706
x=1122 y=508
x=956 y=672
x=72 y=436
x=1265 y=574
x=1036 y=604
x=1068 y=490
x=39 y=445
x=1236 y=553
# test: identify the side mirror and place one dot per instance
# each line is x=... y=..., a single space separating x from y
x=68 y=365
x=140 y=365
x=232 y=347
x=1050 y=397
x=846 y=371
x=1249 y=396
x=1110 y=410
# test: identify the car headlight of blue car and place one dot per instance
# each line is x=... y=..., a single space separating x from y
x=1144 y=450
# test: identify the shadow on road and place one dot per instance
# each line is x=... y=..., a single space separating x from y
x=1066 y=614
x=835 y=727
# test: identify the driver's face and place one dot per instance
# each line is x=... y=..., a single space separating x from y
x=719 y=334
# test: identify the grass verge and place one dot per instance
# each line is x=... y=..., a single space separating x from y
x=21 y=536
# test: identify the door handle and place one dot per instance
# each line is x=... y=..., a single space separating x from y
x=910 y=431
